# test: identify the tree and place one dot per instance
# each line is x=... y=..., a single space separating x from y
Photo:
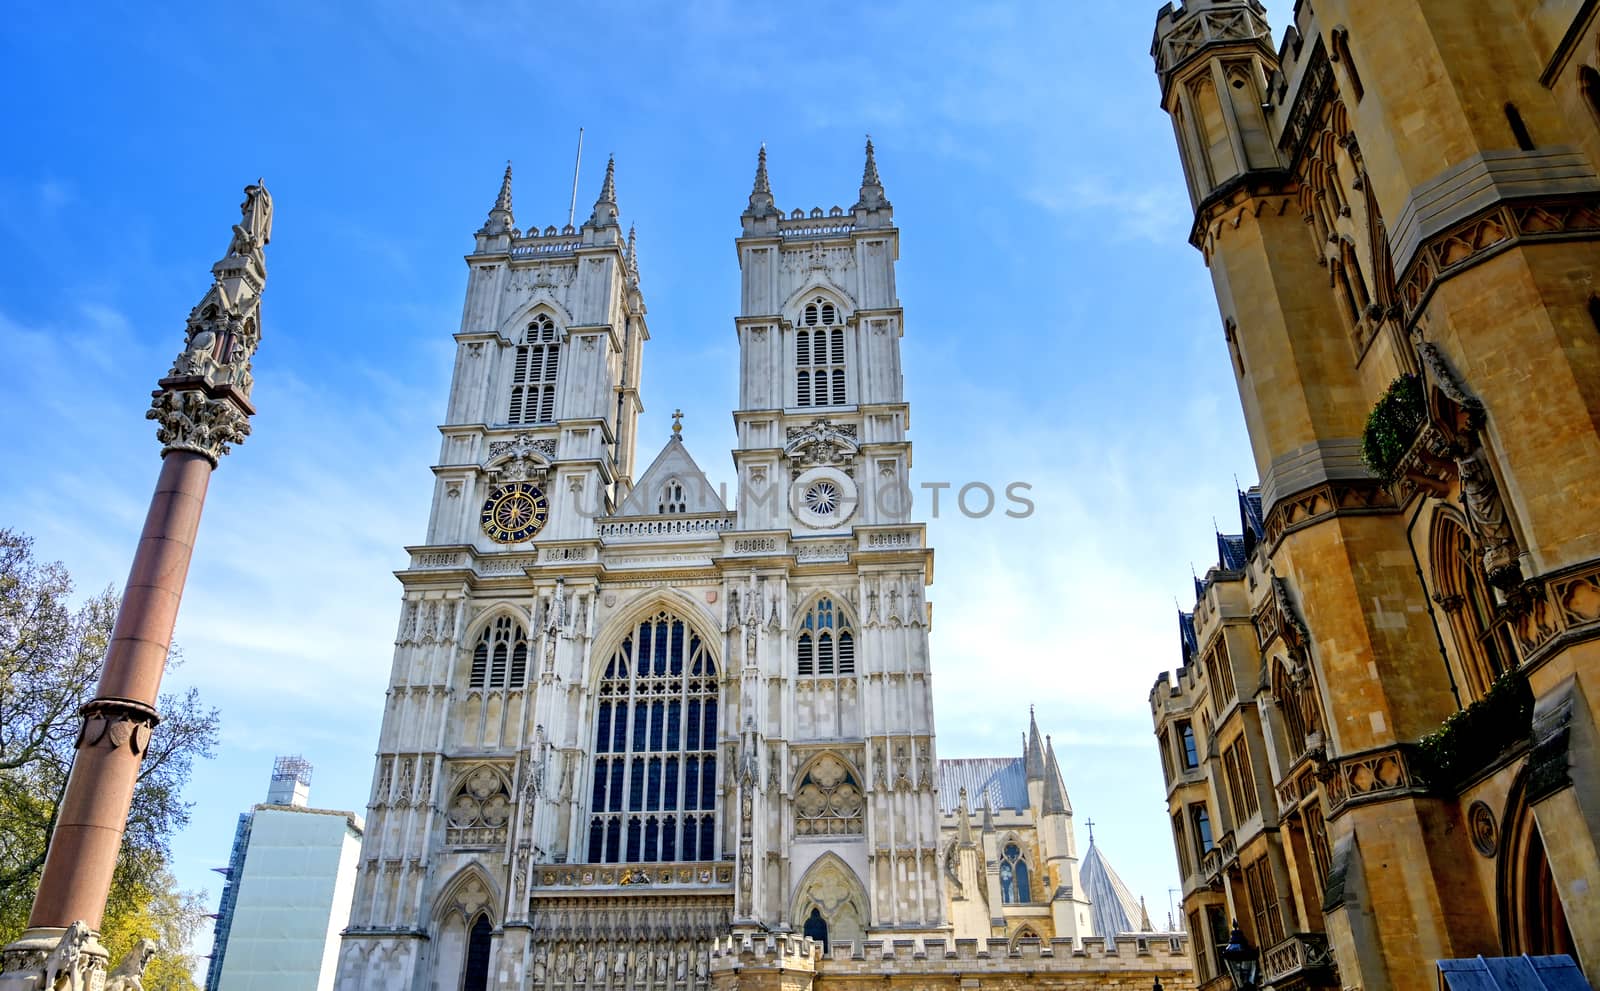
x=50 y=657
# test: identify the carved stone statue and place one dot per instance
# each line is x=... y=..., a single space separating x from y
x=254 y=229
x=66 y=962
x=129 y=974
x=1487 y=512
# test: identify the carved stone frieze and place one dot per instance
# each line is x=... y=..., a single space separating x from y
x=115 y=724
x=1324 y=502
x=1372 y=776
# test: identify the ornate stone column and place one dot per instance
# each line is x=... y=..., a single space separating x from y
x=200 y=407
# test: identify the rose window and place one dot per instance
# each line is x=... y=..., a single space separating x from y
x=822 y=498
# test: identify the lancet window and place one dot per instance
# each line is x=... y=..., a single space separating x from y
x=533 y=374
x=500 y=659
x=825 y=647
x=820 y=355
x=655 y=765
x=673 y=499
x=1015 y=885
x=1480 y=636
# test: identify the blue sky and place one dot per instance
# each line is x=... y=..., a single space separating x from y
x=1060 y=330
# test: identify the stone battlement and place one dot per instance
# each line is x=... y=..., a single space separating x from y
x=1163 y=951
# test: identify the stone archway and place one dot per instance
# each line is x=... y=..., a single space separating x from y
x=834 y=891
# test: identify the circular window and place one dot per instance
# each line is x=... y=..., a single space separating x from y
x=823 y=497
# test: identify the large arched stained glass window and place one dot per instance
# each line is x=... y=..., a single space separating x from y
x=655 y=763
x=1014 y=886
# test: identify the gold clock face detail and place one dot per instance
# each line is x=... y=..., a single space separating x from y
x=514 y=513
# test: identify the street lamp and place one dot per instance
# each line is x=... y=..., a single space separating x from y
x=1241 y=959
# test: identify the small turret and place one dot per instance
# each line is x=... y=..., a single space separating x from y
x=1056 y=801
x=605 y=208
x=761 y=205
x=1214 y=59
x=1033 y=750
x=872 y=208
x=500 y=219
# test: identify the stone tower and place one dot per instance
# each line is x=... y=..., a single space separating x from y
x=623 y=719
x=1398 y=207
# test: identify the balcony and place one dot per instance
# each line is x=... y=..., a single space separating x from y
x=1477 y=737
x=1303 y=958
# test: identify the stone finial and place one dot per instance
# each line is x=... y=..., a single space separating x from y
x=872 y=197
x=500 y=219
x=632 y=257
x=203 y=403
x=605 y=208
x=761 y=202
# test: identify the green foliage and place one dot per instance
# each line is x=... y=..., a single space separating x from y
x=50 y=656
x=1392 y=426
x=1471 y=739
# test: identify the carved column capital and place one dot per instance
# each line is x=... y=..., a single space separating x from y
x=202 y=420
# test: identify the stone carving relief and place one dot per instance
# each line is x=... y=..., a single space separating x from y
x=521 y=459
x=821 y=443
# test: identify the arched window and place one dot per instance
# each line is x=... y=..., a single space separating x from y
x=825 y=647
x=672 y=498
x=533 y=376
x=829 y=800
x=475 y=976
x=655 y=766
x=820 y=356
x=817 y=927
x=1015 y=888
x=1482 y=644
x=500 y=660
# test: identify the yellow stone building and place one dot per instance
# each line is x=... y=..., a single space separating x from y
x=1381 y=749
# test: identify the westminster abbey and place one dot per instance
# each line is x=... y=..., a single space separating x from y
x=637 y=738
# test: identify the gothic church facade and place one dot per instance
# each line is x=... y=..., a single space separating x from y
x=637 y=738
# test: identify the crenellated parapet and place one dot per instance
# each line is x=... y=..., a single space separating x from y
x=1042 y=960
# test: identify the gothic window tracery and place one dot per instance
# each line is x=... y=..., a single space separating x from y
x=1482 y=644
x=655 y=766
x=820 y=355
x=500 y=658
x=1016 y=886
x=479 y=809
x=829 y=800
x=533 y=373
x=826 y=646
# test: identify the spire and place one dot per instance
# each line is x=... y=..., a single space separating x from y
x=1056 y=801
x=1033 y=755
x=988 y=816
x=761 y=203
x=872 y=197
x=500 y=220
x=1144 y=917
x=605 y=208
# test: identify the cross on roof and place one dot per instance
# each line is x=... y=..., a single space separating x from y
x=1090 y=824
x=677 y=421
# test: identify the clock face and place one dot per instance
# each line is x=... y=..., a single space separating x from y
x=514 y=513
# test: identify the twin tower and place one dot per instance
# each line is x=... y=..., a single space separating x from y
x=625 y=719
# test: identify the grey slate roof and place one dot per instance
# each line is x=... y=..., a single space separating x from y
x=1001 y=780
x=1113 y=908
x=1557 y=973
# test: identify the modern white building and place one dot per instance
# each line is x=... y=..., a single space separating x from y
x=290 y=880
